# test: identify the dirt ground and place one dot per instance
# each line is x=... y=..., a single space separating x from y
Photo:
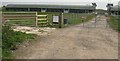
x=34 y=30
x=75 y=42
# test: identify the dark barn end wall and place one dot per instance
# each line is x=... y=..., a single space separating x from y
x=54 y=10
x=115 y=12
x=16 y=9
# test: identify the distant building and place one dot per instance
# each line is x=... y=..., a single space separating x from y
x=119 y=3
x=51 y=8
x=113 y=10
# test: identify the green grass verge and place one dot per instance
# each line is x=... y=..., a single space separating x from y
x=114 y=23
x=10 y=40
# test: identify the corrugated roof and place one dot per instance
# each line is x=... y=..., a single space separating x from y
x=50 y=6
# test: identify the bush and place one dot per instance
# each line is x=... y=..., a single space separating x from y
x=10 y=40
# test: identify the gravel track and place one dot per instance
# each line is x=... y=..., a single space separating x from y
x=75 y=42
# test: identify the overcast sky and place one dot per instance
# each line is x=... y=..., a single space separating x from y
x=101 y=3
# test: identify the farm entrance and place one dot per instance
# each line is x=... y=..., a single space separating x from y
x=39 y=19
x=25 y=18
x=19 y=18
x=44 y=18
x=56 y=19
x=99 y=21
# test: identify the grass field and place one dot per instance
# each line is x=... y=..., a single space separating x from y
x=114 y=23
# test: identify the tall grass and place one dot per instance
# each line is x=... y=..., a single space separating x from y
x=114 y=23
x=10 y=40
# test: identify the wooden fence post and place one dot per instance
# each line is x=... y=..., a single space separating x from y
x=36 y=21
x=61 y=20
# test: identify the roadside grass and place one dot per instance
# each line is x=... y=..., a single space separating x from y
x=11 y=39
x=114 y=23
x=0 y=9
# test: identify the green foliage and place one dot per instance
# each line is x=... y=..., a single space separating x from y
x=10 y=40
x=114 y=23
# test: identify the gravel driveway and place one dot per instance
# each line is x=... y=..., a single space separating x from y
x=75 y=42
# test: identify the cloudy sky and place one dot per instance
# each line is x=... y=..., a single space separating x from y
x=101 y=3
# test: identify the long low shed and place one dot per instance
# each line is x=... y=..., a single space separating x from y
x=50 y=8
x=115 y=10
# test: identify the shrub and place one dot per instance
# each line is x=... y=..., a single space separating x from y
x=10 y=40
